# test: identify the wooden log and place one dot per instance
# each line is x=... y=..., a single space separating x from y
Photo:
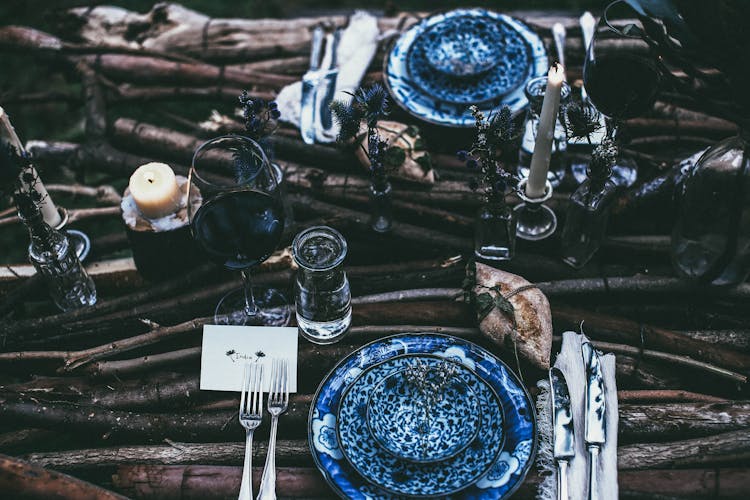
x=212 y=482
x=295 y=452
x=652 y=337
x=22 y=480
x=686 y=453
x=668 y=396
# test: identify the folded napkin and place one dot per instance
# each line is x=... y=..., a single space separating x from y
x=357 y=47
x=570 y=362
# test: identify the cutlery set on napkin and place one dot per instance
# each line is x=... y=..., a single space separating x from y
x=583 y=403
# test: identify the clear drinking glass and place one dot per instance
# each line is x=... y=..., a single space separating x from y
x=239 y=223
x=323 y=297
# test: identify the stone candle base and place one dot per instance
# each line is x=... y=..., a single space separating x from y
x=162 y=248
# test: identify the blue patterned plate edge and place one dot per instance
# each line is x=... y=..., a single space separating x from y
x=527 y=454
x=446 y=114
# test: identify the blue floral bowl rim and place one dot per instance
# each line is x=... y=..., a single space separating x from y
x=460 y=448
x=511 y=373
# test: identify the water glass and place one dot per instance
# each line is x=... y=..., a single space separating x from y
x=323 y=297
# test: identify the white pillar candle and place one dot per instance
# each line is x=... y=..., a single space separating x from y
x=154 y=189
x=48 y=209
x=545 y=133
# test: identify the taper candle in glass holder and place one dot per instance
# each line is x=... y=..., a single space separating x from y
x=588 y=210
x=54 y=257
x=535 y=90
x=322 y=293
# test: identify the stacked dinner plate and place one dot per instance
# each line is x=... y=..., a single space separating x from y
x=449 y=61
x=422 y=415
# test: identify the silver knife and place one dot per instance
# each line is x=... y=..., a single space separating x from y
x=328 y=88
x=588 y=24
x=309 y=86
x=595 y=411
x=558 y=33
x=562 y=425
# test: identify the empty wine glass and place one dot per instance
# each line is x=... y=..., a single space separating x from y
x=238 y=223
x=620 y=75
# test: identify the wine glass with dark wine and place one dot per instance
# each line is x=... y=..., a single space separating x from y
x=237 y=218
x=620 y=74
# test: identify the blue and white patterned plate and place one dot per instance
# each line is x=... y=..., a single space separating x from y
x=425 y=424
x=447 y=100
x=407 y=478
x=507 y=471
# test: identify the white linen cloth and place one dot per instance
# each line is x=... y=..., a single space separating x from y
x=570 y=362
x=357 y=47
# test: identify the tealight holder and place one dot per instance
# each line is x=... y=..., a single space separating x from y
x=162 y=248
x=535 y=220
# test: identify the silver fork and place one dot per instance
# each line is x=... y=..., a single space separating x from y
x=278 y=402
x=251 y=414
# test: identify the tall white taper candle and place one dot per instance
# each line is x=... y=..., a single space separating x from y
x=49 y=211
x=545 y=133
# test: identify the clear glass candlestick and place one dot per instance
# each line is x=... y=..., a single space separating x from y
x=536 y=221
x=54 y=257
x=323 y=297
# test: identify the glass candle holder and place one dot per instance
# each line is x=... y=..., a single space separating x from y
x=558 y=160
x=536 y=221
x=322 y=293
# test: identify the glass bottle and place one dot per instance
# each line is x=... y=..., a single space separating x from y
x=558 y=161
x=587 y=216
x=381 y=209
x=495 y=230
x=322 y=293
x=711 y=239
x=55 y=259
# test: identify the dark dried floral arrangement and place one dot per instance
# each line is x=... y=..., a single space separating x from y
x=493 y=134
x=368 y=105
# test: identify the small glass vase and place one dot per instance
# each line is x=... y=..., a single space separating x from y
x=586 y=220
x=558 y=160
x=711 y=239
x=322 y=293
x=495 y=231
x=54 y=258
x=381 y=209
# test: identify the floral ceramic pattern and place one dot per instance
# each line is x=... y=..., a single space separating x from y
x=413 y=428
x=442 y=110
x=363 y=451
x=463 y=46
x=519 y=445
x=508 y=72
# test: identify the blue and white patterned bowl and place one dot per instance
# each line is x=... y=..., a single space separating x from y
x=519 y=428
x=463 y=47
x=443 y=97
x=408 y=478
x=415 y=427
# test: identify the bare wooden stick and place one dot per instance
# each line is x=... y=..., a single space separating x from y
x=20 y=479
x=104 y=194
x=666 y=395
x=74 y=215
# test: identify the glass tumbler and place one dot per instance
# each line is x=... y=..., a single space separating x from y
x=322 y=293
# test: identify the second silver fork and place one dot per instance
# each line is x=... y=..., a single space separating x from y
x=251 y=414
x=278 y=402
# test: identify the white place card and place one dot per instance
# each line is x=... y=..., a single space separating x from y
x=226 y=350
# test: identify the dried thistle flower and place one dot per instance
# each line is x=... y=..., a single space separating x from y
x=581 y=120
x=260 y=116
x=603 y=157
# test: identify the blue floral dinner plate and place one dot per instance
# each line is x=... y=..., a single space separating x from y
x=506 y=472
x=427 y=413
x=406 y=478
x=442 y=96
